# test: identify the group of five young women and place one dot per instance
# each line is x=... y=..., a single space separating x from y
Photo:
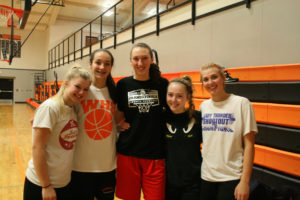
x=158 y=147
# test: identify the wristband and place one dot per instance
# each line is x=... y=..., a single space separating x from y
x=47 y=186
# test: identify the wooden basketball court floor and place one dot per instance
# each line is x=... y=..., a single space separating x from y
x=15 y=148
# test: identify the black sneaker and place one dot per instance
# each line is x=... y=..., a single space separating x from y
x=228 y=78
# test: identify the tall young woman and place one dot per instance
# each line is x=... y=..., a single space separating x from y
x=54 y=132
x=95 y=153
x=141 y=101
x=228 y=125
x=183 y=137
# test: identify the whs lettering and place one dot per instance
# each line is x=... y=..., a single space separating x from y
x=97 y=104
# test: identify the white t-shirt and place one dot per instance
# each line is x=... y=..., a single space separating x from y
x=223 y=126
x=96 y=142
x=60 y=144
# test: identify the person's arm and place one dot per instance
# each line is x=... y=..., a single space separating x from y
x=242 y=190
x=120 y=121
x=40 y=139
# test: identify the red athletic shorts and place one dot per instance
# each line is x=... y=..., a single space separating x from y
x=136 y=174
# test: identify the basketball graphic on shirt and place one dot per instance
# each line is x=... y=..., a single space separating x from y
x=98 y=124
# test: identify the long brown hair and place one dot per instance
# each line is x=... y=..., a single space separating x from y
x=110 y=83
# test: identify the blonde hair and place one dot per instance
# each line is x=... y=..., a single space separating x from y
x=215 y=66
x=74 y=72
x=187 y=82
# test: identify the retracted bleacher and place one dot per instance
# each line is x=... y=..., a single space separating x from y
x=43 y=91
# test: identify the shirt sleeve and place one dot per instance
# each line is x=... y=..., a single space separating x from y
x=46 y=116
x=249 y=117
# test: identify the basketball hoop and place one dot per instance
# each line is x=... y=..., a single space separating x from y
x=4 y=60
x=5 y=15
x=5 y=47
x=144 y=107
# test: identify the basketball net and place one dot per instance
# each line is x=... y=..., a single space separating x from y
x=5 y=15
x=143 y=107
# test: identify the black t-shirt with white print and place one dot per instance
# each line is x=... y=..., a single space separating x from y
x=183 y=137
x=143 y=103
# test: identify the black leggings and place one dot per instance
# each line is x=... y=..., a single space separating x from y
x=87 y=185
x=218 y=190
x=189 y=192
x=34 y=192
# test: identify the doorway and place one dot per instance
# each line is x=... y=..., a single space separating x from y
x=6 y=89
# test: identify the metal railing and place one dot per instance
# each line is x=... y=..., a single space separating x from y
x=72 y=48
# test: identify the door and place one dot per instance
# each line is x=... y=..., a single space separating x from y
x=6 y=88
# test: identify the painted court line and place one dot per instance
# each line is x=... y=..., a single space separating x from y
x=11 y=186
x=13 y=134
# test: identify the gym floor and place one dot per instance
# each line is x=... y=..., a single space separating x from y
x=15 y=148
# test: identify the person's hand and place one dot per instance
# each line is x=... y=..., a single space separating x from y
x=123 y=126
x=48 y=193
x=242 y=191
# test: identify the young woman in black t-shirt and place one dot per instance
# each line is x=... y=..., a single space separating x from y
x=140 y=147
x=183 y=138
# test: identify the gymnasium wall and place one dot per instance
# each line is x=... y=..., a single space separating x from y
x=22 y=70
x=23 y=82
x=62 y=29
x=266 y=34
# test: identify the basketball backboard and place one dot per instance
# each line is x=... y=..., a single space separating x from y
x=10 y=44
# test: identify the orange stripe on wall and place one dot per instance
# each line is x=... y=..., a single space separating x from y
x=195 y=75
x=171 y=76
x=116 y=79
x=288 y=72
x=278 y=114
x=200 y=91
x=279 y=160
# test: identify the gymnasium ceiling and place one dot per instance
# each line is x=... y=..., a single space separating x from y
x=86 y=10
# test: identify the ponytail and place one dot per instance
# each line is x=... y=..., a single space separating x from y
x=154 y=73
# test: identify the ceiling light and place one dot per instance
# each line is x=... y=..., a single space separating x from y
x=152 y=11
x=107 y=4
x=108 y=13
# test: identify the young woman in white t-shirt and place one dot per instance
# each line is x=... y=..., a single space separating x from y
x=95 y=152
x=228 y=128
x=54 y=132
